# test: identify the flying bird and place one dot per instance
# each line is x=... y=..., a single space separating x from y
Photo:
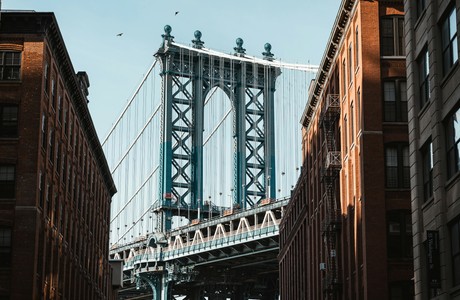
x=120 y=34
x=176 y=13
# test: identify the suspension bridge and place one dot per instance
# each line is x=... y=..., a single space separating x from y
x=204 y=156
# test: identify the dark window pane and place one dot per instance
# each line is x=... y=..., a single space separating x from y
x=8 y=120
x=453 y=143
x=7 y=180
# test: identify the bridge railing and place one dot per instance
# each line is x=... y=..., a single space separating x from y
x=169 y=253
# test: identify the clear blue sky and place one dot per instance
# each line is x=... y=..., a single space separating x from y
x=297 y=29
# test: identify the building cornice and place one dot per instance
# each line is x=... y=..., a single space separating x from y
x=333 y=44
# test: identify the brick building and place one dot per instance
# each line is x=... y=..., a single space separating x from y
x=433 y=78
x=55 y=185
x=347 y=233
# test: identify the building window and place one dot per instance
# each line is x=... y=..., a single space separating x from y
x=421 y=5
x=427 y=161
x=53 y=93
x=352 y=123
x=449 y=40
x=5 y=247
x=345 y=134
x=424 y=77
x=357 y=46
x=455 y=244
x=399 y=234
x=59 y=109
x=41 y=188
x=401 y=290
x=453 y=143
x=395 y=100
x=392 y=36
x=8 y=121
x=51 y=146
x=350 y=63
x=10 y=65
x=397 y=166
x=358 y=108
x=344 y=78
x=7 y=181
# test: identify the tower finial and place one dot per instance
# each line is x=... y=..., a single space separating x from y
x=197 y=42
x=239 y=50
x=167 y=37
x=267 y=54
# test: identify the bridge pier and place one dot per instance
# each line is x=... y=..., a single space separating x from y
x=158 y=282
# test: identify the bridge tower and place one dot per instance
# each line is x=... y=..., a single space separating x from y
x=188 y=76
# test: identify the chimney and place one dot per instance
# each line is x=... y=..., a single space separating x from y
x=83 y=81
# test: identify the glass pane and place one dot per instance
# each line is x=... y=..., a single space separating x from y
x=392 y=177
x=10 y=113
x=391 y=157
x=405 y=153
x=456 y=125
x=452 y=24
x=5 y=237
x=389 y=91
x=455 y=238
x=456 y=269
x=390 y=111
x=454 y=50
x=6 y=173
x=403 y=91
x=445 y=35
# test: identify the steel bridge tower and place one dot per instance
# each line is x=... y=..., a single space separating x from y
x=189 y=74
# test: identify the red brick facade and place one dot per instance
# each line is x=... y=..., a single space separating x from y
x=54 y=180
x=347 y=232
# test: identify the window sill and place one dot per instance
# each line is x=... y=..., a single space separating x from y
x=395 y=123
x=10 y=82
x=424 y=108
x=419 y=19
x=393 y=57
x=454 y=178
x=9 y=139
x=449 y=74
x=427 y=203
x=397 y=189
x=455 y=291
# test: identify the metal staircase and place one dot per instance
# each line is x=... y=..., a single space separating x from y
x=330 y=179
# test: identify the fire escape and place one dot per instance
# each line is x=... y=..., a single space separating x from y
x=330 y=179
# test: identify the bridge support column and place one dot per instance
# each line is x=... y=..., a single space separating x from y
x=158 y=283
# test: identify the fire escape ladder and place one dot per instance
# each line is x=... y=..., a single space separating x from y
x=330 y=176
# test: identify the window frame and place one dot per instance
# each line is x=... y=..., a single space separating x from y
x=453 y=144
x=402 y=236
x=454 y=230
x=14 y=66
x=427 y=170
x=400 y=112
x=396 y=36
x=423 y=64
x=7 y=185
x=402 y=166
x=6 y=246
x=9 y=127
x=450 y=47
